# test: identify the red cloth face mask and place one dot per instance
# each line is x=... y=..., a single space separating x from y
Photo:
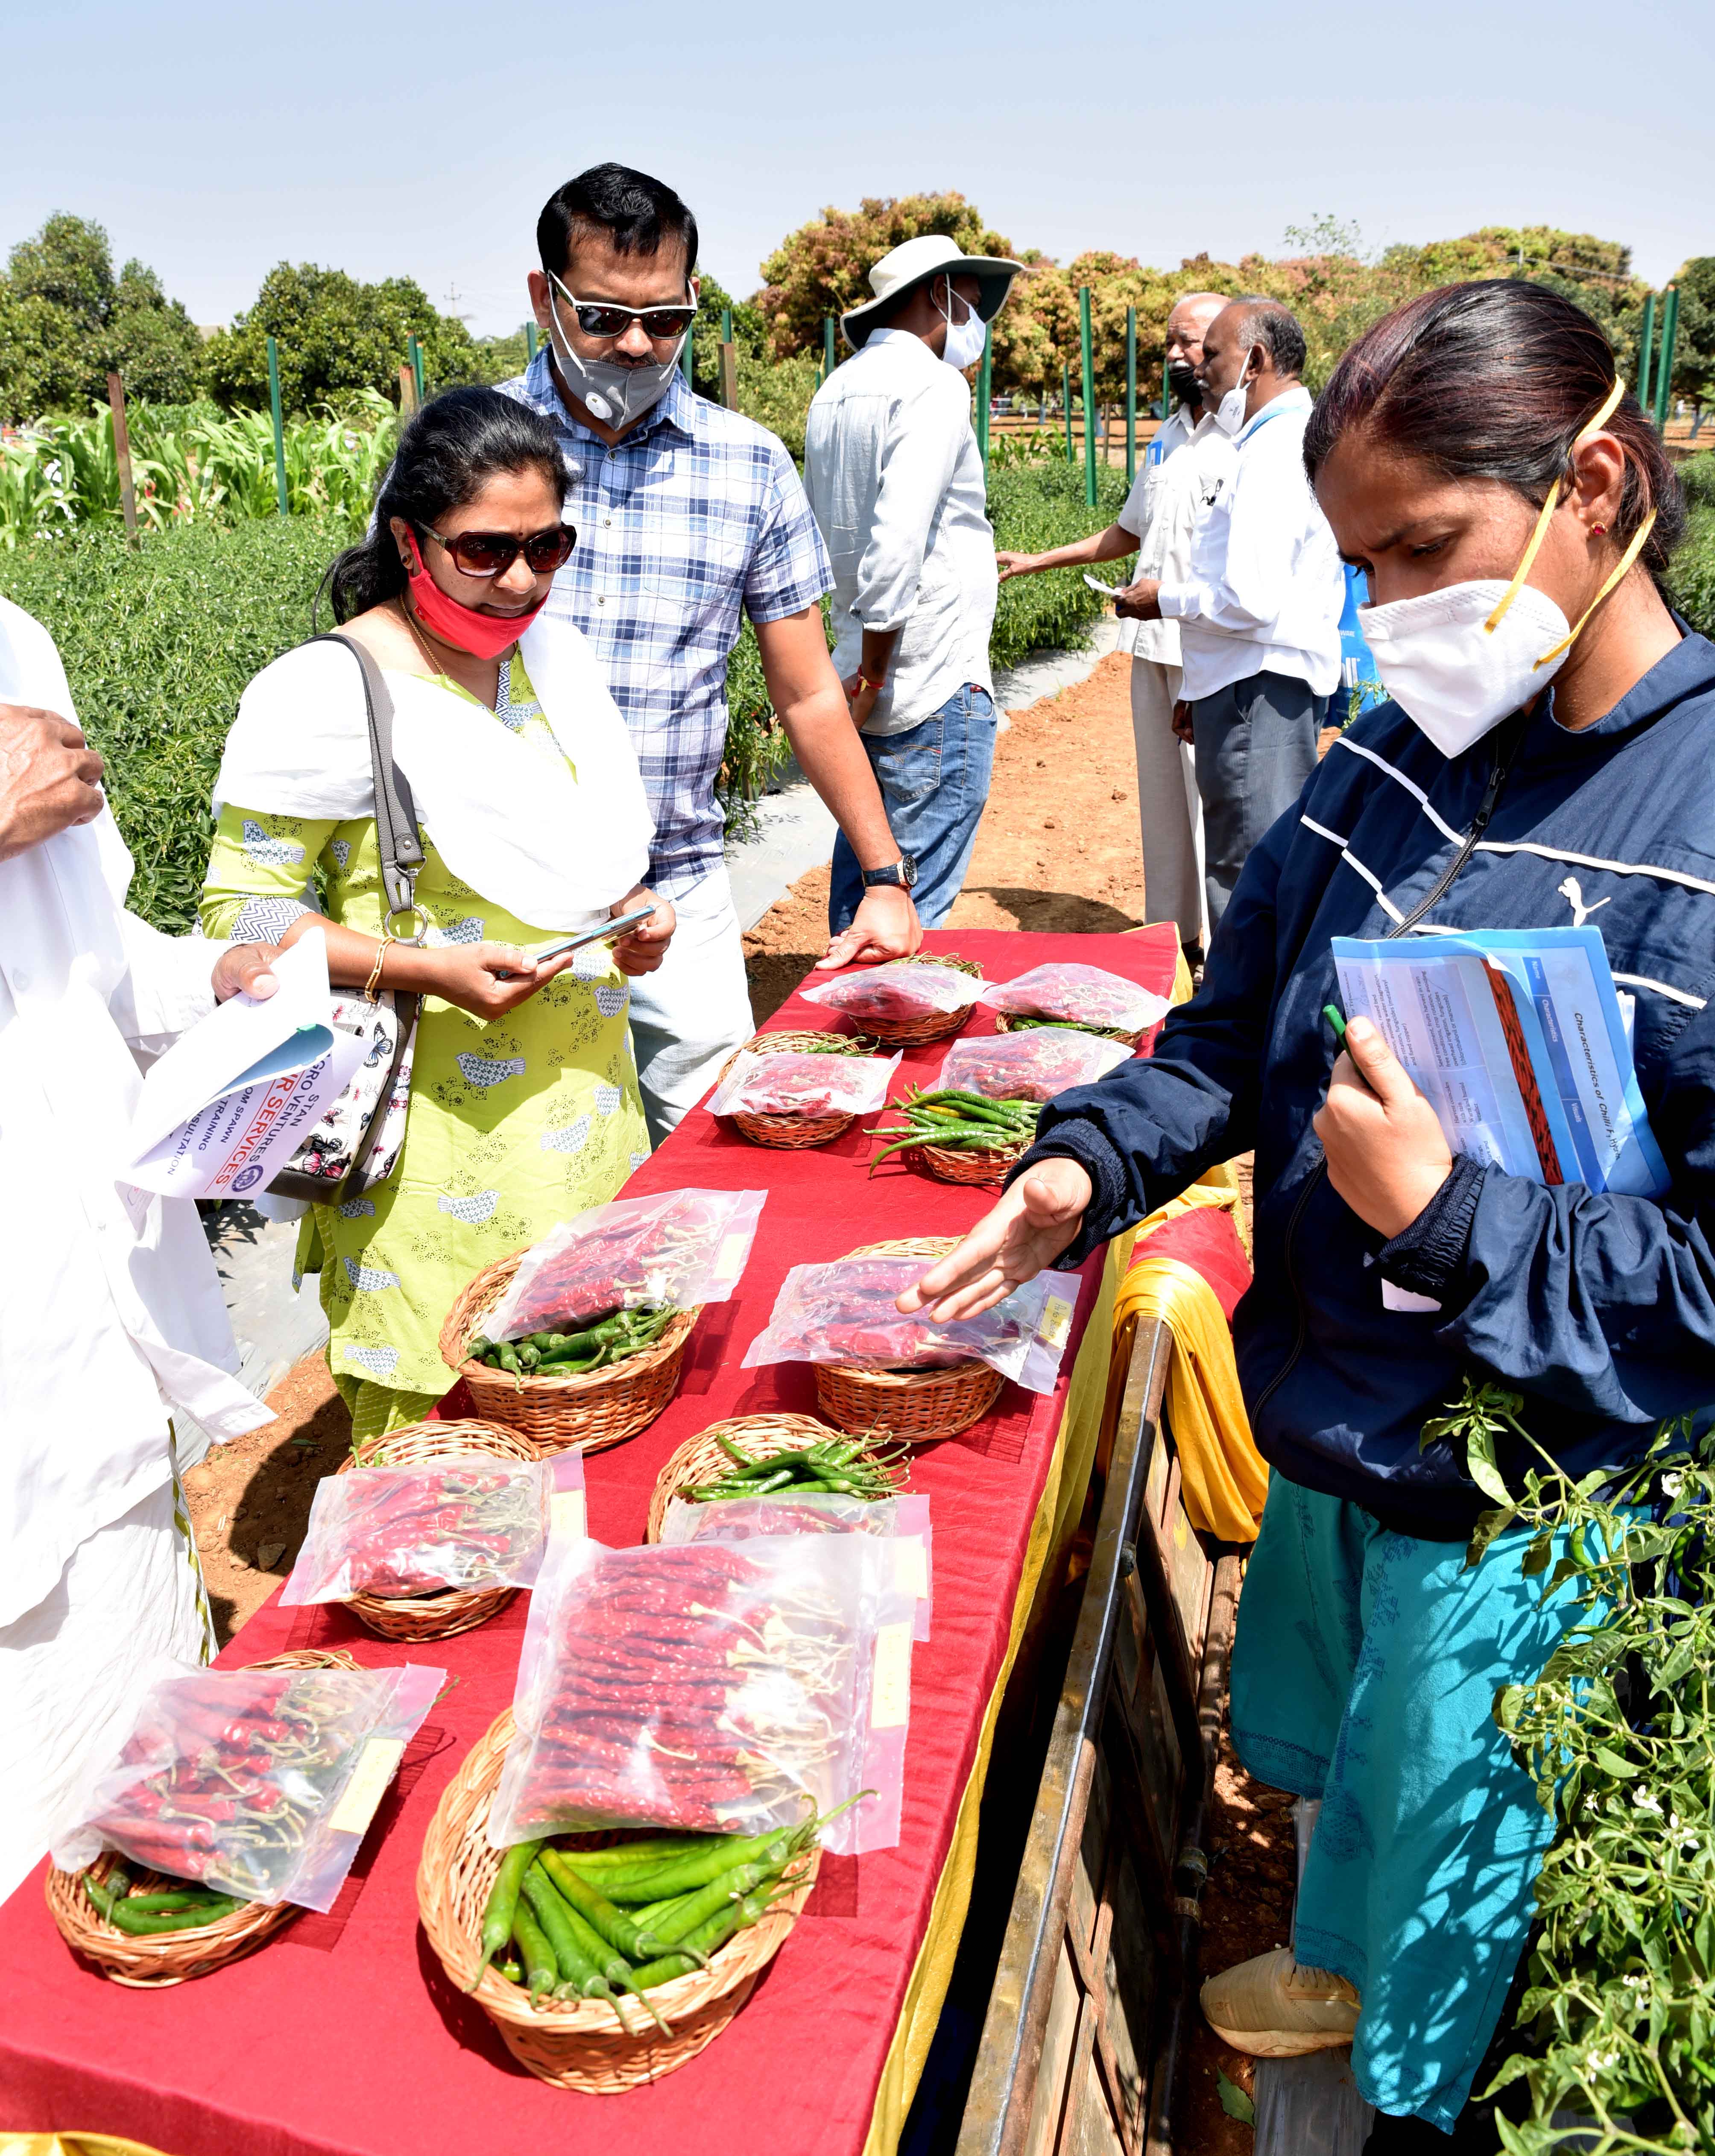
x=483 y=635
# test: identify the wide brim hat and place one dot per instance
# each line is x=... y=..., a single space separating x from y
x=913 y=262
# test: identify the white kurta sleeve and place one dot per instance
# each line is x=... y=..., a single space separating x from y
x=925 y=433
x=168 y=984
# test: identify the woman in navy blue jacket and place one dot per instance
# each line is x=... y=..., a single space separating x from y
x=1549 y=759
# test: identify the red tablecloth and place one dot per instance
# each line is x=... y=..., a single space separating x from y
x=343 y=2035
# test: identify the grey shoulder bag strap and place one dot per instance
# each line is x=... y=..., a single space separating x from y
x=400 y=846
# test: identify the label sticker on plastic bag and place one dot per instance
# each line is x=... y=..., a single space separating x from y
x=1056 y=1324
x=376 y=1765
x=567 y=1515
x=890 y=1701
x=910 y=1571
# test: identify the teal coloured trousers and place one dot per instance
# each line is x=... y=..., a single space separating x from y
x=1365 y=1673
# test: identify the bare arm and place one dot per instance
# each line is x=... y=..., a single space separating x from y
x=1099 y=547
x=805 y=691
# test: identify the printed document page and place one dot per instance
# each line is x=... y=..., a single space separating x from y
x=227 y=1105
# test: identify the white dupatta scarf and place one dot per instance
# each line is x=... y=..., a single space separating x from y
x=555 y=850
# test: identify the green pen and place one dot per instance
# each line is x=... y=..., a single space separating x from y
x=1330 y=1012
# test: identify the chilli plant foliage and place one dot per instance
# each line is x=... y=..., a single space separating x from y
x=1617 y=2023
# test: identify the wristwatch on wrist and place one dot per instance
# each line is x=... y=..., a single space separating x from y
x=903 y=873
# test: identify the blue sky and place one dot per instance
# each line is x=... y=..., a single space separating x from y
x=421 y=139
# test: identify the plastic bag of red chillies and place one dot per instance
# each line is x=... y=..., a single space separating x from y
x=467 y=1520
x=713 y=1686
x=258 y=1782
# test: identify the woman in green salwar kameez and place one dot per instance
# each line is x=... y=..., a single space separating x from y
x=524 y=1107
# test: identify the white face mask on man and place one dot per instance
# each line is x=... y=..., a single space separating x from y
x=1230 y=413
x=1459 y=659
x=965 y=339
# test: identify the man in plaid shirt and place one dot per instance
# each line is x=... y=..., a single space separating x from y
x=689 y=517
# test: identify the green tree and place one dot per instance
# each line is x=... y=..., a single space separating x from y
x=66 y=319
x=336 y=336
x=1694 y=340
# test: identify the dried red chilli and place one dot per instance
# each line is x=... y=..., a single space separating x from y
x=401 y=1531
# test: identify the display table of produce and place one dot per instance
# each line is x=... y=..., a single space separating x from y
x=342 y=2032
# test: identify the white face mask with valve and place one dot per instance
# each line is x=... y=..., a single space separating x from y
x=614 y=394
x=965 y=339
x=1459 y=659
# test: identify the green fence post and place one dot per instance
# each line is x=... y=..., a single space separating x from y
x=417 y=368
x=279 y=477
x=530 y=341
x=1646 y=341
x=1664 y=365
x=1131 y=394
x=1065 y=400
x=1087 y=358
x=985 y=374
x=826 y=346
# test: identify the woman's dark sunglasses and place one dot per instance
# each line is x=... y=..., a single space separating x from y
x=492 y=553
x=596 y=318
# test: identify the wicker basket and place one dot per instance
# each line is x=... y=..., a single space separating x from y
x=933 y=1025
x=701 y=1458
x=453 y=1609
x=969 y=1164
x=791 y=1133
x=1003 y=1023
x=575 y=2044
x=915 y=1405
x=150 y=1964
x=559 y=1415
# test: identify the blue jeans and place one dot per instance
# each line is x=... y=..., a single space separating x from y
x=934 y=782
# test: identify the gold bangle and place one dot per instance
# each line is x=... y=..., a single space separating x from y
x=372 y=986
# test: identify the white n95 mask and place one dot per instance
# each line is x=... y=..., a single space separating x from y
x=1459 y=659
x=1230 y=413
x=965 y=339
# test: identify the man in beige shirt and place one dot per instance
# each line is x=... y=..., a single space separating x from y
x=1185 y=468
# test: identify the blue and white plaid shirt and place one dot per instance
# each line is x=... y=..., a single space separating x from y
x=694 y=515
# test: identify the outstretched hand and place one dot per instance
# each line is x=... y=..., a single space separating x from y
x=1387 y=1155
x=1034 y=1220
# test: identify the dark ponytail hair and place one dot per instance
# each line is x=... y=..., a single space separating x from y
x=1497 y=380
x=447 y=453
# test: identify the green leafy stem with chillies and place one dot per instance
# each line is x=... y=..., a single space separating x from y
x=845 y=1468
x=1617 y=2021
x=966 y=1121
x=608 y=1340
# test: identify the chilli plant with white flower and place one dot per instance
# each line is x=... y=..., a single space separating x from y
x=1618 y=2022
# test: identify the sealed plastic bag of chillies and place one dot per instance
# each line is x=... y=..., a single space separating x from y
x=713 y=1686
x=669 y=1251
x=844 y=1313
x=467 y=1521
x=1089 y=997
x=903 y=989
x=902 y=1518
x=1029 y=1066
x=786 y=1082
x=258 y=1782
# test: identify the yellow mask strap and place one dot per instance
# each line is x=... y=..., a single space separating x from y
x=1625 y=561
x=1610 y=403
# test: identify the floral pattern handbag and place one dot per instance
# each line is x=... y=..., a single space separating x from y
x=358 y=1140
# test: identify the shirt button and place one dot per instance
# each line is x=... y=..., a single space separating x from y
x=20 y=979
x=599 y=600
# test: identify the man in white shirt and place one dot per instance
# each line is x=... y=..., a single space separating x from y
x=895 y=482
x=1259 y=612
x=1185 y=469
x=111 y=1314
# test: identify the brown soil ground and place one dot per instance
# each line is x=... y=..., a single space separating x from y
x=1058 y=850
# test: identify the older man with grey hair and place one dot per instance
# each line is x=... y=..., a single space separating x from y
x=1259 y=612
x=1184 y=470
